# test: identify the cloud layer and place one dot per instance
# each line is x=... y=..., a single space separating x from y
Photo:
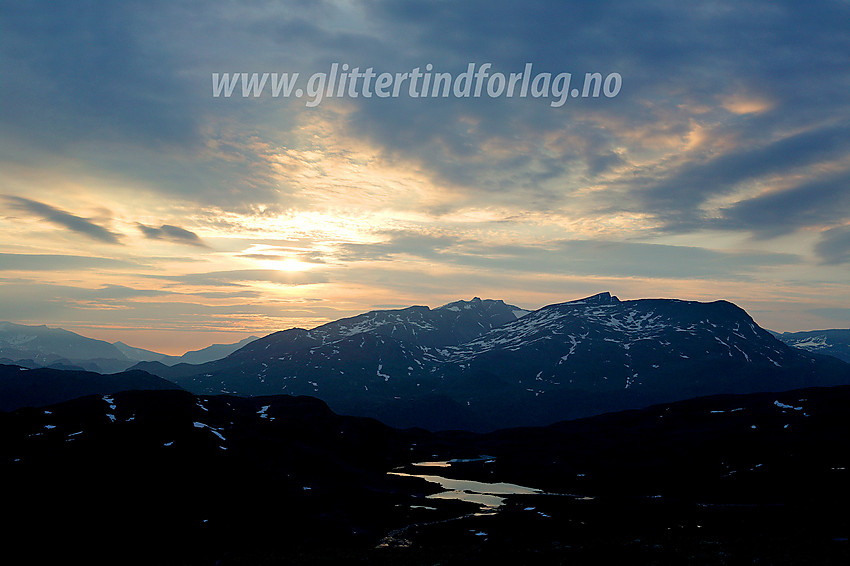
x=720 y=170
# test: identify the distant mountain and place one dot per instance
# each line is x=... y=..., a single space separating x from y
x=47 y=346
x=208 y=354
x=166 y=477
x=140 y=354
x=42 y=341
x=830 y=342
x=24 y=387
x=40 y=346
x=484 y=364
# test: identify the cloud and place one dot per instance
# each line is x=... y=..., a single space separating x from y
x=306 y=257
x=838 y=314
x=691 y=59
x=53 y=262
x=691 y=185
x=65 y=306
x=834 y=246
x=265 y=252
x=173 y=234
x=238 y=277
x=572 y=257
x=241 y=294
x=91 y=72
x=64 y=219
x=813 y=202
x=118 y=292
x=406 y=242
x=733 y=121
x=152 y=67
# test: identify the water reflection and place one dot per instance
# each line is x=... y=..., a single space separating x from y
x=488 y=495
x=448 y=463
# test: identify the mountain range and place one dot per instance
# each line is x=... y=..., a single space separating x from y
x=473 y=365
x=484 y=364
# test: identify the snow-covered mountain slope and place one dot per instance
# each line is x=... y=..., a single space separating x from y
x=453 y=323
x=624 y=342
x=562 y=361
x=834 y=342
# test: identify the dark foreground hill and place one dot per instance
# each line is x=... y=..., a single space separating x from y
x=483 y=365
x=25 y=387
x=165 y=477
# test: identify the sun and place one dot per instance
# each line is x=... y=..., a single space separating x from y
x=276 y=258
x=288 y=264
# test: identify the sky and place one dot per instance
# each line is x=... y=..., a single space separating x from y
x=137 y=206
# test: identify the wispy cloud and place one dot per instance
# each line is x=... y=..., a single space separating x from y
x=173 y=234
x=834 y=246
x=64 y=219
x=815 y=202
x=241 y=277
x=55 y=262
x=573 y=257
x=677 y=199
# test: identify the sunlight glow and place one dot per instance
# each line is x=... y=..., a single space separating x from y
x=288 y=264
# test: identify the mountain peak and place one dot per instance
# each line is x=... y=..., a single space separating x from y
x=473 y=303
x=604 y=298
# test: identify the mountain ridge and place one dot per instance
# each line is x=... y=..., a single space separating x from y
x=38 y=387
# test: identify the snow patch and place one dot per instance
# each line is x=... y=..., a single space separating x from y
x=211 y=429
x=784 y=406
x=263 y=412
